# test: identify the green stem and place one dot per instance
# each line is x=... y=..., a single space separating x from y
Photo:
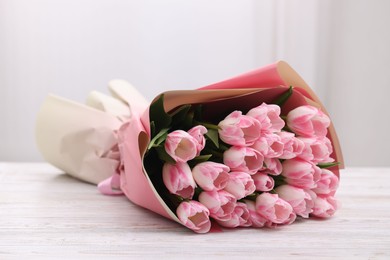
x=327 y=165
x=207 y=125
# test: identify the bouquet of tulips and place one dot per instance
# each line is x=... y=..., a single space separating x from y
x=242 y=168
x=257 y=150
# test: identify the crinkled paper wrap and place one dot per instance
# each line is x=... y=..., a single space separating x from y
x=111 y=135
x=82 y=140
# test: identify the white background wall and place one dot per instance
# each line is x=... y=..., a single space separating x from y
x=70 y=47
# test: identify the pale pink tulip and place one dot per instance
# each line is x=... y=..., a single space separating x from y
x=178 y=179
x=325 y=206
x=308 y=121
x=220 y=203
x=263 y=182
x=272 y=166
x=328 y=183
x=211 y=176
x=268 y=116
x=273 y=208
x=194 y=215
x=240 y=184
x=292 y=146
x=317 y=150
x=290 y=219
x=306 y=153
x=270 y=146
x=198 y=133
x=239 y=217
x=181 y=146
x=256 y=219
x=300 y=200
x=300 y=173
x=243 y=159
x=238 y=129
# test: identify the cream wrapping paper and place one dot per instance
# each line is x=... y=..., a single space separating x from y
x=82 y=139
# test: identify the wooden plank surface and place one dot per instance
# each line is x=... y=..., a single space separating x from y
x=45 y=214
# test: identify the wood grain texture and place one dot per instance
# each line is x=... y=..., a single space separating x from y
x=46 y=214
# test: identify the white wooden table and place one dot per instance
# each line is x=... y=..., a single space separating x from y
x=46 y=214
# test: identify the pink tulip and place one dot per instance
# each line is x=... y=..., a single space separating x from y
x=292 y=146
x=255 y=218
x=198 y=133
x=308 y=121
x=300 y=200
x=270 y=146
x=220 y=203
x=181 y=146
x=272 y=166
x=238 y=129
x=194 y=215
x=273 y=208
x=211 y=176
x=239 y=217
x=178 y=179
x=300 y=173
x=317 y=150
x=243 y=159
x=268 y=116
x=325 y=207
x=240 y=185
x=290 y=219
x=263 y=182
x=328 y=183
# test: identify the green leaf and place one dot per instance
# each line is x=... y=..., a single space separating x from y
x=279 y=180
x=152 y=128
x=158 y=115
x=164 y=156
x=212 y=135
x=202 y=158
x=180 y=114
x=327 y=165
x=159 y=138
x=162 y=138
x=223 y=147
x=199 y=159
x=188 y=121
x=284 y=97
x=198 y=112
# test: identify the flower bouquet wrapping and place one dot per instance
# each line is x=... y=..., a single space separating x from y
x=257 y=150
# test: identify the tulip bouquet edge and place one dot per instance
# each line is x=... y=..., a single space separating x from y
x=180 y=110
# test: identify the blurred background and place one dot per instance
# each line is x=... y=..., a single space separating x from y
x=68 y=47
